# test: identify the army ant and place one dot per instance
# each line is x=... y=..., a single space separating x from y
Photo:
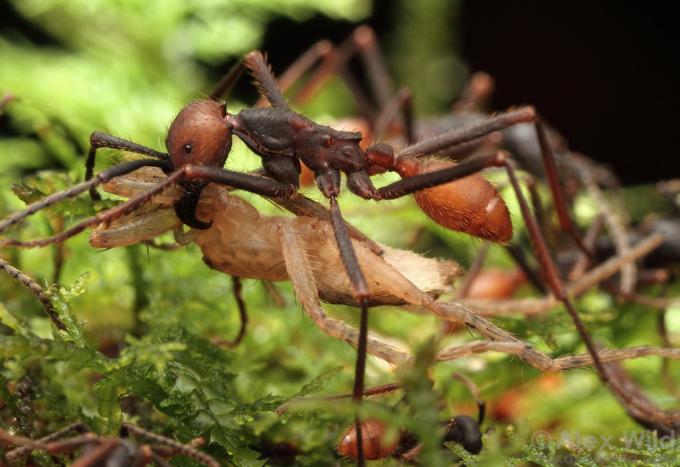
x=199 y=141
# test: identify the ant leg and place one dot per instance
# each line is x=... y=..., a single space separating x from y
x=227 y=82
x=476 y=93
x=410 y=185
x=518 y=256
x=38 y=291
x=364 y=43
x=335 y=61
x=266 y=82
x=264 y=78
x=468 y=133
x=242 y=312
x=474 y=392
x=102 y=177
x=550 y=271
x=300 y=205
x=360 y=286
x=252 y=183
x=399 y=105
x=372 y=58
x=556 y=189
x=628 y=400
x=101 y=218
x=306 y=291
x=536 y=204
x=102 y=140
x=236 y=289
x=174 y=446
x=322 y=50
x=380 y=82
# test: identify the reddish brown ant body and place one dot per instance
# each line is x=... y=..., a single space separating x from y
x=201 y=135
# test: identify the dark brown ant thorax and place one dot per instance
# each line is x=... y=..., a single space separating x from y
x=278 y=131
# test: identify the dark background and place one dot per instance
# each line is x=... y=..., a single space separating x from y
x=603 y=73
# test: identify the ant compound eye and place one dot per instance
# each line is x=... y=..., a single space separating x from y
x=187 y=148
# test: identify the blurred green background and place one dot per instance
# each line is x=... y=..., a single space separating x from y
x=138 y=342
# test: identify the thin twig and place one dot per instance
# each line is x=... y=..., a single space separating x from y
x=41 y=443
x=582 y=262
x=536 y=306
x=38 y=291
x=615 y=225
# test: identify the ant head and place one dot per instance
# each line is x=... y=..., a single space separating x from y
x=200 y=135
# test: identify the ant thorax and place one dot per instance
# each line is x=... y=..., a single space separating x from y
x=278 y=131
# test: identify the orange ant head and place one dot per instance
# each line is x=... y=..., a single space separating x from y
x=200 y=135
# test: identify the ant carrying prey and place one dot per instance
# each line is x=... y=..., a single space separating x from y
x=199 y=141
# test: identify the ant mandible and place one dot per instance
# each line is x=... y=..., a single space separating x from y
x=199 y=141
